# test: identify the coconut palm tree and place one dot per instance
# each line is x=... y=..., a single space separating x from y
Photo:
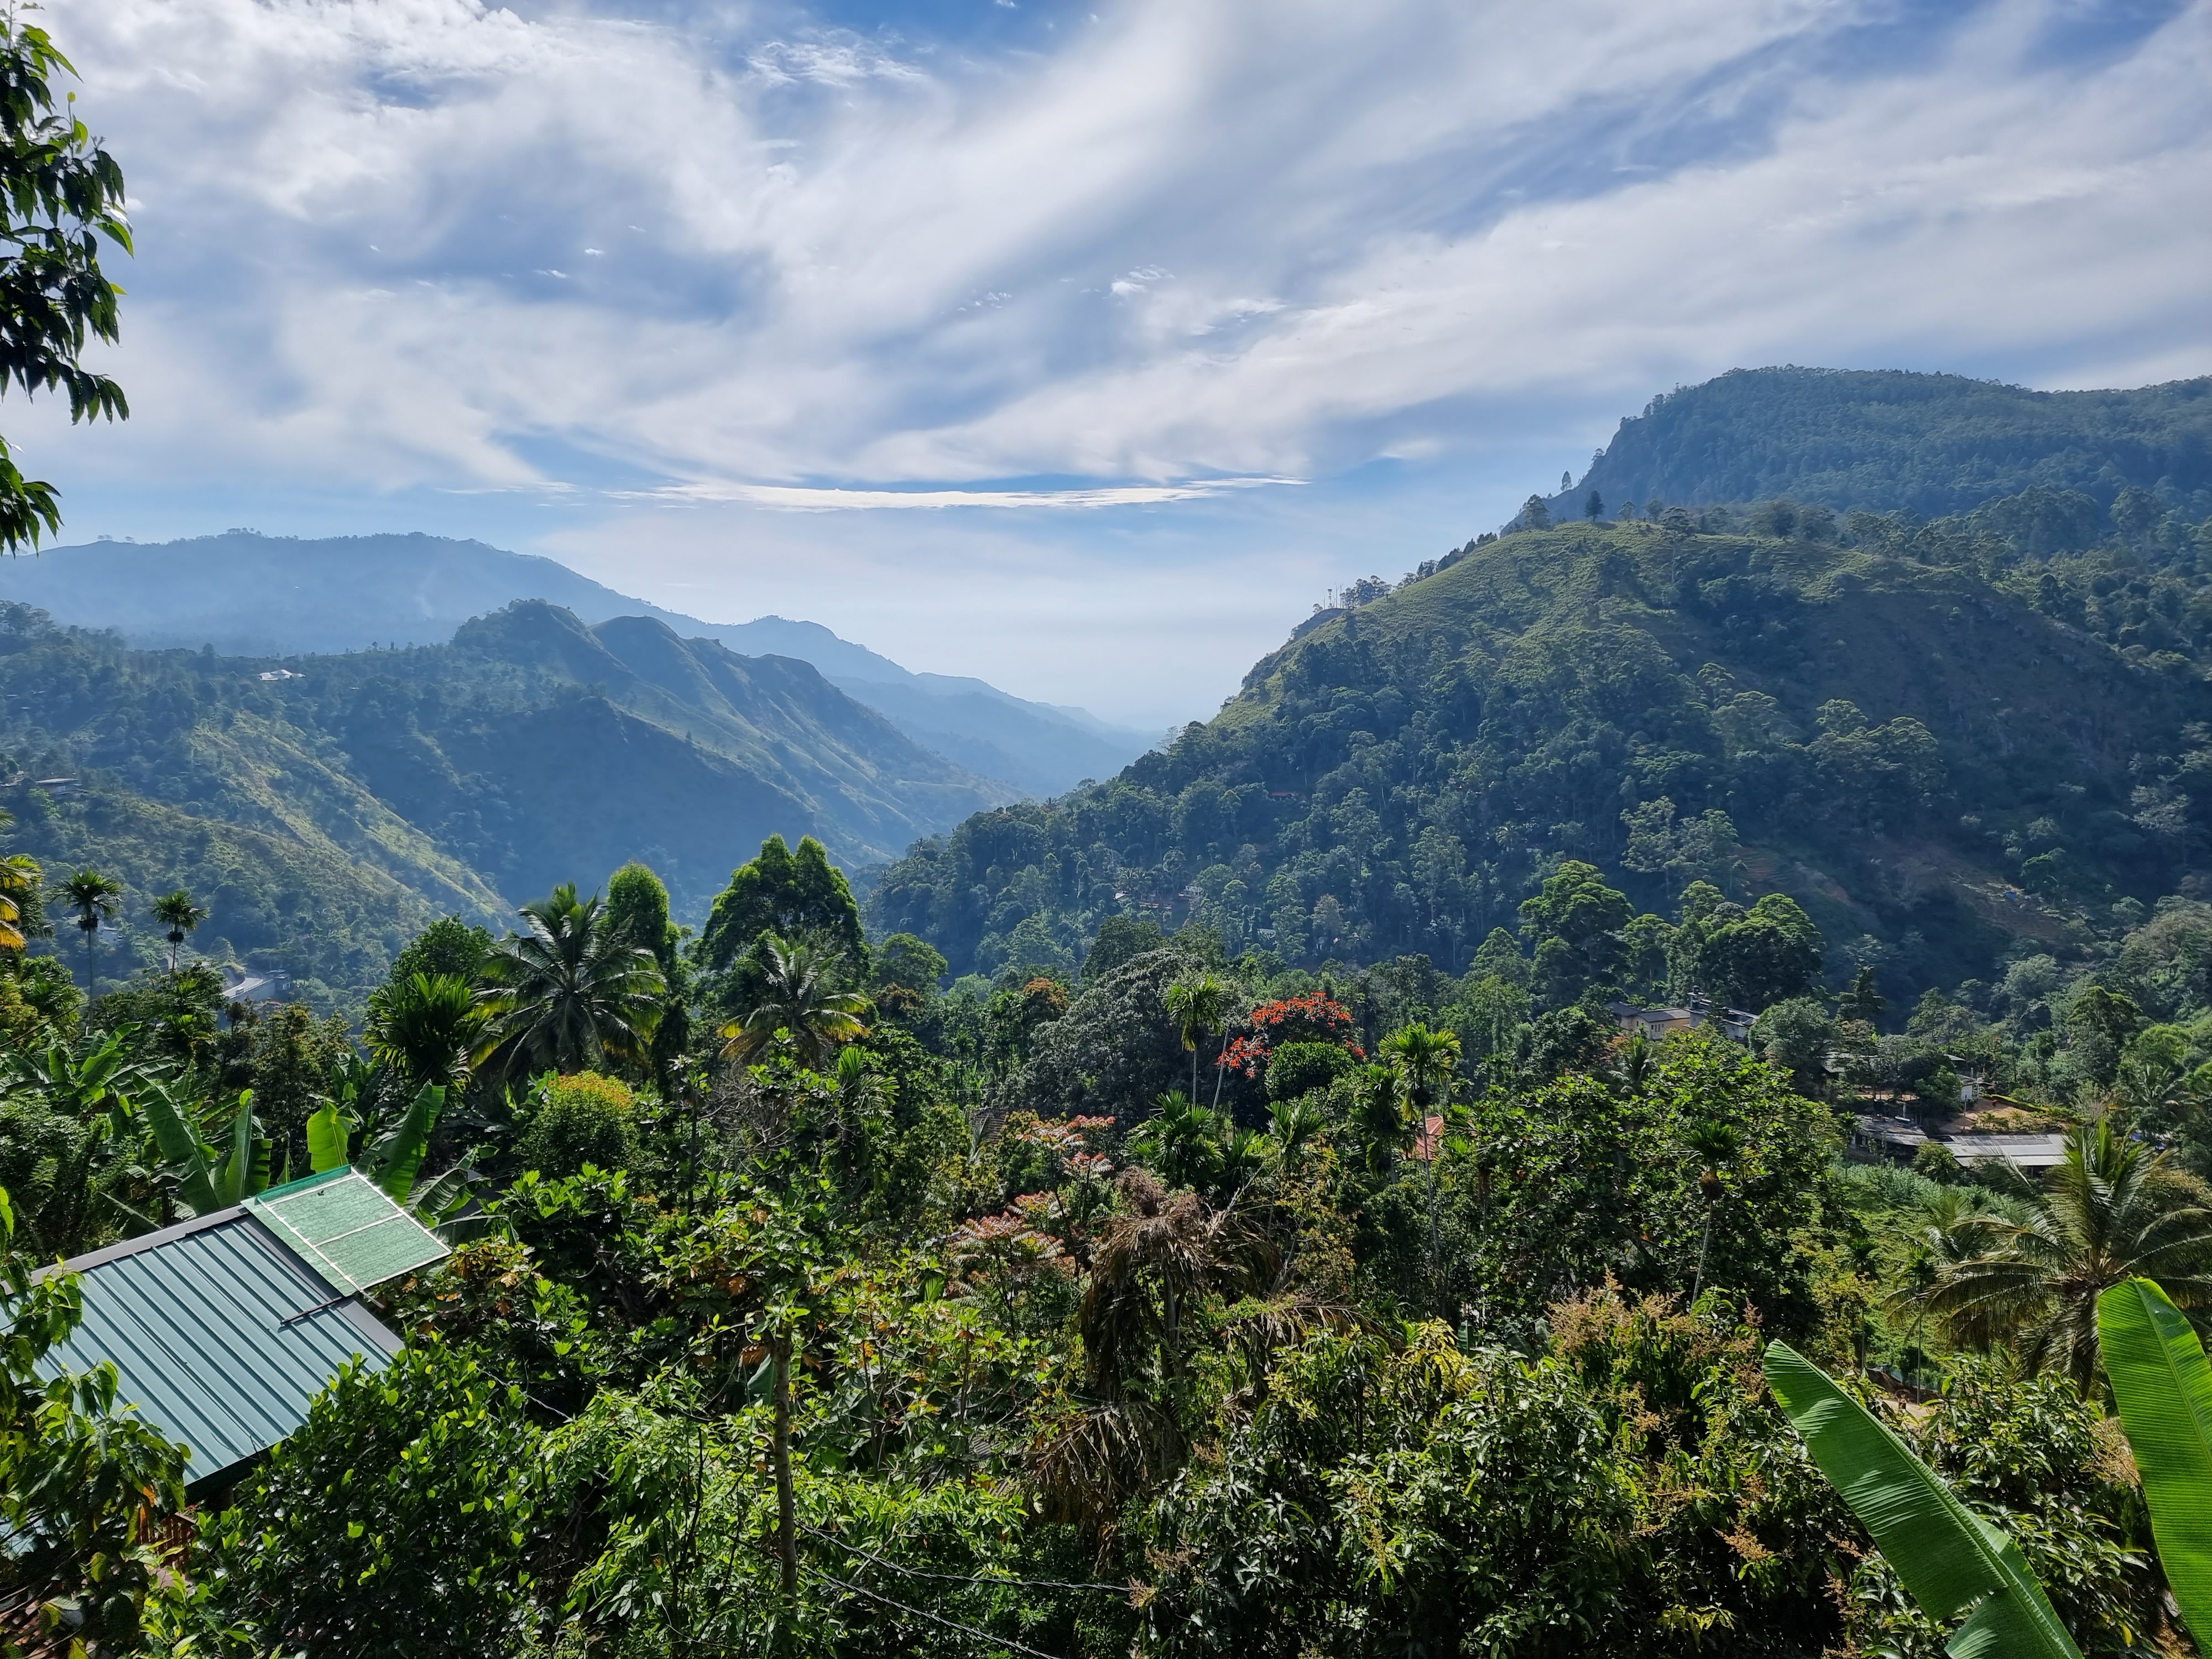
x=2113 y=1211
x=19 y=890
x=798 y=998
x=1197 y=1006
x=426 y=1029
x=566 y=993
x=180 y=913
x=94 y=897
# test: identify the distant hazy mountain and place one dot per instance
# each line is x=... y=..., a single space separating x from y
x=328 y=808
x=247 y=594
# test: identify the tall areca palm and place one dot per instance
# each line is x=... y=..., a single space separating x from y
x=566 y=992
x=2113 y=1211
x=94 y=897
x=1197 y=1005
x=180 y=913
x=1423 y=1062
x=799 y=998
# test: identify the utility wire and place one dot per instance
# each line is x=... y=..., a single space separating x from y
x=960 y=1578
x=949 y=1624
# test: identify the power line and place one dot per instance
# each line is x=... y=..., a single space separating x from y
x=959 y=1579
x=949 y=1624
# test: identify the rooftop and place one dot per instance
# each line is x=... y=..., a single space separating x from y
x=224 y=1328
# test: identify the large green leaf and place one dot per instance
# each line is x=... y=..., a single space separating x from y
x=1947 y=1557
x=2164 y=1389
x=180 y=1150
x=398 y=1156
x=329 y=1136
x=234 y=1177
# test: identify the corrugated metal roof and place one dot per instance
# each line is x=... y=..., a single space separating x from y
x=222 y=1335
x=341 y=1223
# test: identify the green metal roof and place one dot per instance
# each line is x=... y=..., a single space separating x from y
x=341 y=1224
x=226 y=1328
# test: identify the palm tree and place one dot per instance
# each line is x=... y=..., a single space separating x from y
x=426 y=1029
x=799 y=999
x=19 y=887
x=2113 y=1211
x=1422 y=1063
x=180 y=914
x=94 y=897
x=19 y=884
x=1196 y=1005
x=566 y=993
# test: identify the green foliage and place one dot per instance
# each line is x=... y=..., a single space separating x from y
x=785 y=893
x=396 y=1520
x=64 y=193
x=1570 y=1182
x=1930 y=444
x=1647 y=707
x=1382 y=1500
x=1302 y=1068
x=571 y=990
x=1118 y=940
x=425 y=1027
x=2163 y=1390
x=1950 y=1559
x=578 y=1119
x=81 y=1481
x=2113 y=1211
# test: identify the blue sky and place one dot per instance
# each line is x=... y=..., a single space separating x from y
x=1081 y=347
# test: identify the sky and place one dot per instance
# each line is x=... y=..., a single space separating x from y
x=1083 y=347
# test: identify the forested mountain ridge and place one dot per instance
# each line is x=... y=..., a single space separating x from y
x=1920 y=736
x=329 y=810
x=247 y=594
x=1888 y=440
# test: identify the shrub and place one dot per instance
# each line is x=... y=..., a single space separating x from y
x=1299 y=1068
x=580 y=1119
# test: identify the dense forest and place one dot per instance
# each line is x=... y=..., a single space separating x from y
x=1187 y=1305
x=1886 y=441
x=1954 y=743
x=330 y=808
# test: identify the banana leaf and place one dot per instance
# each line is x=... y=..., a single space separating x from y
x=2164 y=1390
x=245 y=1168
x=1947 y=1557
x=436 y=1199
x=329 y=1136
x=180 y=1150
x=398 y=1157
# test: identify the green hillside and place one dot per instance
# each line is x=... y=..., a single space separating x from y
x=327 y=815
x=1950 y=752
x=1888 y=440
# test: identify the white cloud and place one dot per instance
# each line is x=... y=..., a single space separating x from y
x=1227 y=241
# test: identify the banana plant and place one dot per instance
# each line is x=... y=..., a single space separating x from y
x=1948 y=1559
x=2163 y=1388
x=207 y=1182
x=393 y=1159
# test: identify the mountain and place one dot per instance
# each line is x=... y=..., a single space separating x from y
x=1883 y=440
x=327 y=806
x=1953 y=746
x=252 y=595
